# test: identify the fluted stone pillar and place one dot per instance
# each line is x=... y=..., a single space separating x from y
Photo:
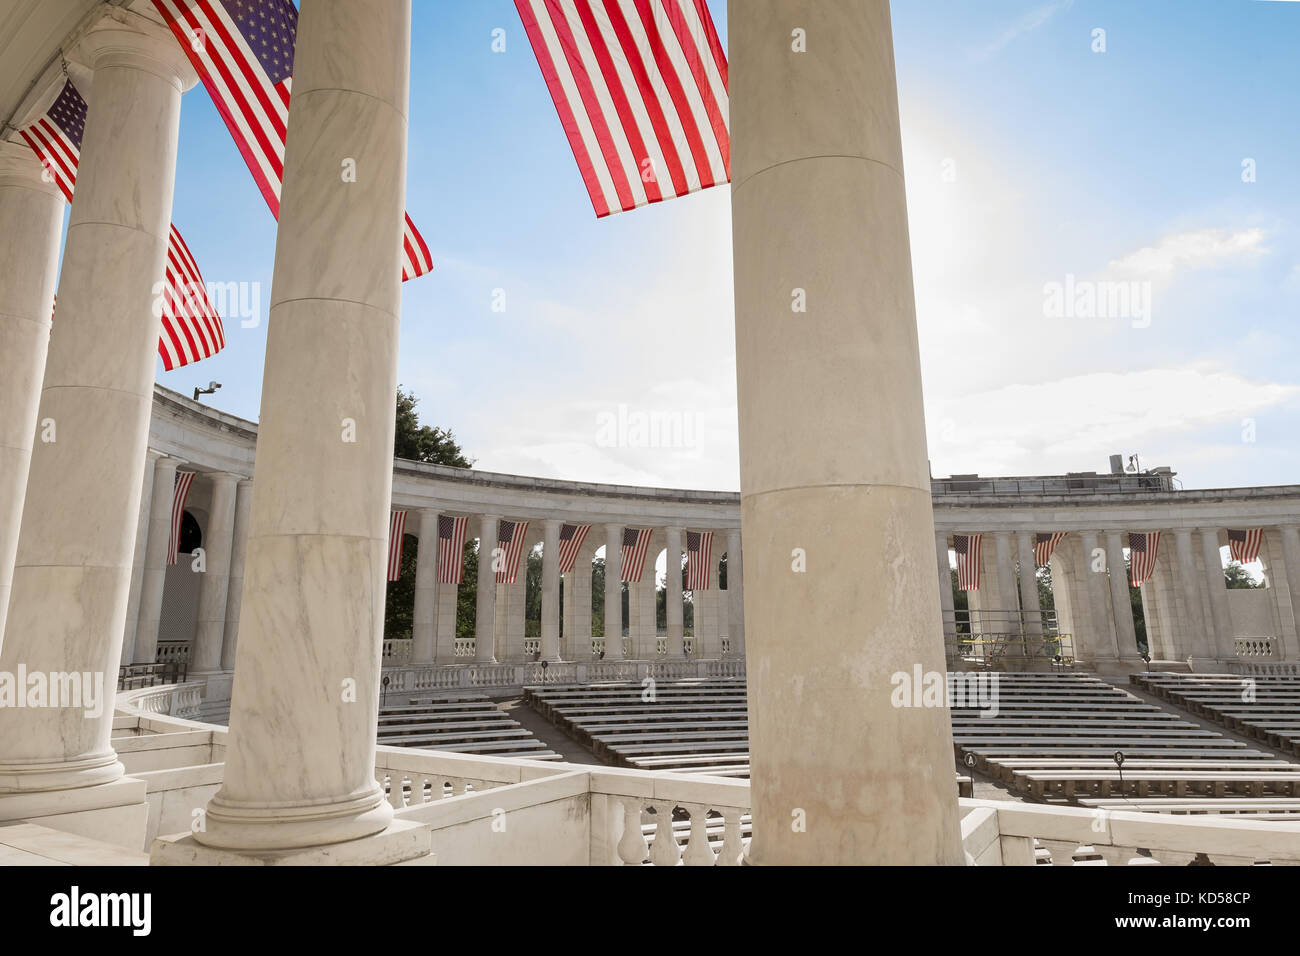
x=300 y=759
x=1290 y=535
x=1121 y=604
x=550 y=635
x=947 y=606
x=735 y=595
x=72 y=575
x=31 y=224
x=1198 y=642
x=138 y=558
x=1095 y=584
x=1010 y=611
x=238 y=555
x=485 y=608
x=1030 y=606
x=614 y=593
x=837 y=519
x=214 y=586
x=673 y=593
x=426 y=584
x=1217 y=591
x=154 y=576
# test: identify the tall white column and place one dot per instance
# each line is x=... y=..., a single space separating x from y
x=300 y=759
x=1009 y=616
x=137 y=559
x=735 y=595
x=154 y=576
x=1121 y=604
x=550 y=590
x=1030 y=606
x=214 y=586
x=614 y=593
x=673 y=592
x=1104 y=644
x=485 y=610
x=238 y=555
x=1217 y=591
x=426 y=584
x=1290 y=535
x=1198 y=642
x=72 y=575
x=947 y=606
x=31 y=224
x=837 y=519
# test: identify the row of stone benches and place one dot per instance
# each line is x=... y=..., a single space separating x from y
x=1267 y=708
x=467 y=724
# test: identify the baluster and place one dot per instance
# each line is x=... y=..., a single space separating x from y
x=632 y=847
x=698 y=852
x=732 y=848
x=395 y=798
x=664 y=851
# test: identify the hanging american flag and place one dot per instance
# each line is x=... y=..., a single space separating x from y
x=451 y=548
x=1045 y=546
x=510 y=539
x=699 y=558
x=191 y=327
x=1142 y=556
x=967 y=547
x=243 y=51
x=1244 y=545
x=635 y=544
x=181 y=491
x=396 y=530
x=571 y=538
x=641 y=89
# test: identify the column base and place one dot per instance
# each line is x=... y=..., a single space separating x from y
x=92 y=770
x=115 y=812
x=401 y=843
x=262 y=828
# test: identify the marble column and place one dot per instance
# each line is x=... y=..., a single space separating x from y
x=1217 y=591
x=238 y=555
x=154 y=576
x=485 y=608
x=300 y=760
x=1030 y=606
x=550 y=630
x=423 y=641
x=614 y=592
x=31 y=224
x=1121 y=604
x=138 y=558
x=72 y=575
x=1198 y=641
x=735 y=595
x=1009 y=614
x=947 y=605
x=673 y=592
x=214 y=587
x=837 y=517
x=1290 y=535
x=1095 y=584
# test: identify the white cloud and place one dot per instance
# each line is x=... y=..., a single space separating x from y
x=1031 y=21
x=1202 y=248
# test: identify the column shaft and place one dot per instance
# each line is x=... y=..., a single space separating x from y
x=1121 y=604
x=154 y=576
x=1031 y=608
x=238 y=555
x=673 y=592
x=947 y=605
x=735 y=595
x=1290 y=535
x=426 y=584
x=1009 y=613
x=485 y=609
x=138 y=557
x=1104 y=643
x=614 y=593
x=1217 y=590
x=550 y=631
x=1199 y=640
x=214 y=586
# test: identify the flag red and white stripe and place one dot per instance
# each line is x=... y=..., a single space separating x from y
x=968 y=548
x=636 y=541
x=699 y=558
x=1045 y=546
x=1244 y=545
x=641 y=90
x=180 y=493
x=1142 y=550
x=243 y=51
x=451 y=548
x=571 y=538
x=191 y=326
x=396 y=531
x=510 y=539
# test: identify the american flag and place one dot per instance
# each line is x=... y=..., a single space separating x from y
x=510 y=539
x=451 y=548
x=1244 y=545
x=967 y=547
x=396 y=530
x=641 y=90
x=1142 y=556
x=191 y=327
x=635 y=544
x=1045 y=546
x=699 y=557
x=571 y=538
x=181 y=491
x=243 y=50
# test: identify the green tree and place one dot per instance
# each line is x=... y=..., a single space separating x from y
x=1239 y=578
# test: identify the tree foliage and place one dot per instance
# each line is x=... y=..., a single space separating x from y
x=416 y=442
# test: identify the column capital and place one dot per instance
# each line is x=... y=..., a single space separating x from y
x=425 y=512
x=124 y=38
x=552 y=522
x=615 y=526
x=20 y=167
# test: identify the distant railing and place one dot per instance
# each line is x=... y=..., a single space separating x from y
x=465 y=646
x=1081 y=483
x=172 y=651
x=984 y=637
x=414 y=678
x=1257 y=647
x=397 y=650
x=173 y=700
x=132 y=676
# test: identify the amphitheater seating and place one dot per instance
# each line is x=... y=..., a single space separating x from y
x=1267 y=708
x=469 y=724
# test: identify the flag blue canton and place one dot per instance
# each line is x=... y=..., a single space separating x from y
x=269 y=27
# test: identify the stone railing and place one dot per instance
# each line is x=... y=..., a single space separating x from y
x=697 y=809
x=172 y=700
x=465 y=647
x=1258 y=668
x=397 y=650
x=438 y=677
x=172 y=652
x=532 y=645
x=1255 y=647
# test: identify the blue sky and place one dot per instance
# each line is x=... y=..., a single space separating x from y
x=1029 y=158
